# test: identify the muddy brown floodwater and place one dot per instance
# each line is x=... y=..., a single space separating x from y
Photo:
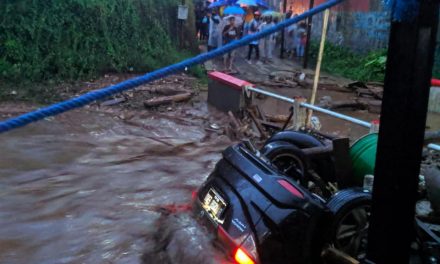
x=112 y=186
x=88 y=187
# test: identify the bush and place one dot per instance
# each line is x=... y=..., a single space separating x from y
x=43 y=40
x=343 y=62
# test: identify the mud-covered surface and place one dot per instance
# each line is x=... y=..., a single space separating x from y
x=91 y=186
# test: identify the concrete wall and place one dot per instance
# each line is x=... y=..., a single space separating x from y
x=361 y=25
x=360 y=31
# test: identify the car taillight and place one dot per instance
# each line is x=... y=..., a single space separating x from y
x=242 y=258
x=291 y=188
x=194 y=195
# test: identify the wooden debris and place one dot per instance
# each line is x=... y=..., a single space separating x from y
x=258 y=124
x=236 y=125
x=165 y=90
x=165 y=100
x=354 y=103
x=272 y=125
x=113 y=102
x=374 y=106
x=277 y=118
x=370 y=89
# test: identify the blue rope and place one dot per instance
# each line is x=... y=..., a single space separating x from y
x=90 y=97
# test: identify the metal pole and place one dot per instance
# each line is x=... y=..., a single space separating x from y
x=312 y=107
x=434 y=147
x=318 y=65
x=401 y=135
x=309 y=35
x=283 y=31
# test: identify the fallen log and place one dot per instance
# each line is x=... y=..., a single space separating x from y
x=275 y=84
x=165 y=100
x=345 y=104
x=166 y=90
x=277 y=118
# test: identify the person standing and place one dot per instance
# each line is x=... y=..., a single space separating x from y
x=250 y=29
x=301 y=39
x=272 y=39
x=230 y=33
x=266 y=44
x=214 y=34
x=199 y=18
x=205 y=27
x=291 y=36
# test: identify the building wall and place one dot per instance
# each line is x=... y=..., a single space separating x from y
x=361 y=25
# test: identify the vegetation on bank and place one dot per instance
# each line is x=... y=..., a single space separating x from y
x=46 y=41
x=341 y=61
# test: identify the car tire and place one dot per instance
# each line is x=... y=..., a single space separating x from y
x=349 y=229
x=279 y=152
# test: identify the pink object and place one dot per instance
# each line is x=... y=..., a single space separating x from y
x=229 y=80
x=435 y=82
x=291 y=189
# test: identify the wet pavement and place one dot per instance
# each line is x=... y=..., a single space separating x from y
x=90 y=187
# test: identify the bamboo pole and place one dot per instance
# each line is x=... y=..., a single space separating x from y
x=318 y=65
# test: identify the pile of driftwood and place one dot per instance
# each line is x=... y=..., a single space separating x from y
x=166 y=95
x=367 y=96
x=173 y=89
x=253 y=123
x=300 y=79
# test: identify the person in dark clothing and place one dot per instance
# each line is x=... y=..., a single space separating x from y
x=199 y=18
x=230 y=33
x=205 y=26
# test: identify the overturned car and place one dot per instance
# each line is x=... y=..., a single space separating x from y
x=290 y=202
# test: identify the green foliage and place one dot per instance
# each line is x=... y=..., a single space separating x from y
x=43 y=40
x=341 y=61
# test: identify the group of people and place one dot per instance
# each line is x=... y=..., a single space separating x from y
x=220 y=31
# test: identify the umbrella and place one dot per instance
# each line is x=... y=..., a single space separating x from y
x=238 y=19
x=234 y=10
x=248 y=2
x=271 y=13
x=219 y=3
x=261 y=3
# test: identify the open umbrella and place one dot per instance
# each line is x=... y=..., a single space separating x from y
x=262 y=3
x=247 y=2
x=233 y=10
x=271 y=13
x=219 y=3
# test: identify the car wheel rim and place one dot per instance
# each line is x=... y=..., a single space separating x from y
x=352 y=231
